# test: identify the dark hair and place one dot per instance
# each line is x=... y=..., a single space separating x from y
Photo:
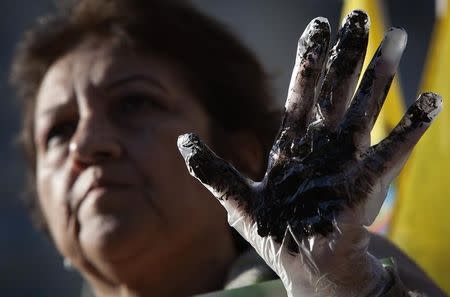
x=225 y=76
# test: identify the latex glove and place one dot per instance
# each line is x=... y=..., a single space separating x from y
x=324 y=181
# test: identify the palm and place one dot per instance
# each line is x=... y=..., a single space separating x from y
x=309 y=182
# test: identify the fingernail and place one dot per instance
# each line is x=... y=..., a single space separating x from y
x=357 y=19
x=430 y=104
x=315 y=37
x=186 y=143
x=394 y=44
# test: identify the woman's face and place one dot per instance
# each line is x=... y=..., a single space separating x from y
x=113 y=188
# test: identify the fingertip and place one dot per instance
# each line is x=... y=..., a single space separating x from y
x=182 y=139
x=357 y=18
x=186 y=143
x=320 y=22
x=397 y=36
x=392 y=48
x=314 y=40
x=428 y=106
x=318 y=26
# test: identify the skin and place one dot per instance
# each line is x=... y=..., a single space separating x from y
x=113 y=189
x=324 y=181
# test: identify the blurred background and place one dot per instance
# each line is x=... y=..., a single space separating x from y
x=29 y=264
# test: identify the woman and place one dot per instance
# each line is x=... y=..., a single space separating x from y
x=107 y=87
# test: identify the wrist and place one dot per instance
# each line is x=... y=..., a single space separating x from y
x=371 y=279
x=367 y=277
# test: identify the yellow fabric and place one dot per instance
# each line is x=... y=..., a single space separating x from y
x=393 y=107
x=422 y=216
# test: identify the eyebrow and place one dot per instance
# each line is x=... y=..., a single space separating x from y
x=115 y=83
x=136 y=77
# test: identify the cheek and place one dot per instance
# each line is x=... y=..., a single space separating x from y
x=191 y=214
x=179 y=197
x=52 y=194
x=154 y=151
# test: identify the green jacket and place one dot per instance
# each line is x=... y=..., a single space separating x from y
x=272 y=288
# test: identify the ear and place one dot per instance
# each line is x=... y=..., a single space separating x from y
x=246 y=153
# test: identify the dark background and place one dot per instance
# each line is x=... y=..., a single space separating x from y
x=29 y=264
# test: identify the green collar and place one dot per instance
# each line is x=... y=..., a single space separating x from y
x=272 y=288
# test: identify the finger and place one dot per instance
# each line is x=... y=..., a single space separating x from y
x=370 y=96
x=224 y=181
x=389 y=155
x=344 y=67
x=221 y=178
x=387 y=158
x=311 y=52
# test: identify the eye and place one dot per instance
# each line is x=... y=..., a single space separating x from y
x=61 y=133
x=136 y=103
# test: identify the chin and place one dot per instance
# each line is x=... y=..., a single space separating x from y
x=116 y=247
x=109 y=238
x=114 y=224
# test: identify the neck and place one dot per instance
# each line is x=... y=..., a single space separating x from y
x=207 y=281
x=192 y=276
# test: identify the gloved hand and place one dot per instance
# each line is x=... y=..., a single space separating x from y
x=324 y=181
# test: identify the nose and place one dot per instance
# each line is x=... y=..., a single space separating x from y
x=95 y=141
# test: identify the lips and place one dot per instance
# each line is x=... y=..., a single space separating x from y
x=98 y=182
x=110 y=200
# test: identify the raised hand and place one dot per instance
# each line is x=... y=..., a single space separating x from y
x=324 y=181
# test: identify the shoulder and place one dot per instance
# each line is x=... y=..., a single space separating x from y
x=248 y=269
x=413 y=277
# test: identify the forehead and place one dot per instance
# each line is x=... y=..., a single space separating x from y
x=98 y=62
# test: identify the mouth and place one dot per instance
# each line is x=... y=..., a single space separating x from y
x=99 y=189
x=105 y=201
